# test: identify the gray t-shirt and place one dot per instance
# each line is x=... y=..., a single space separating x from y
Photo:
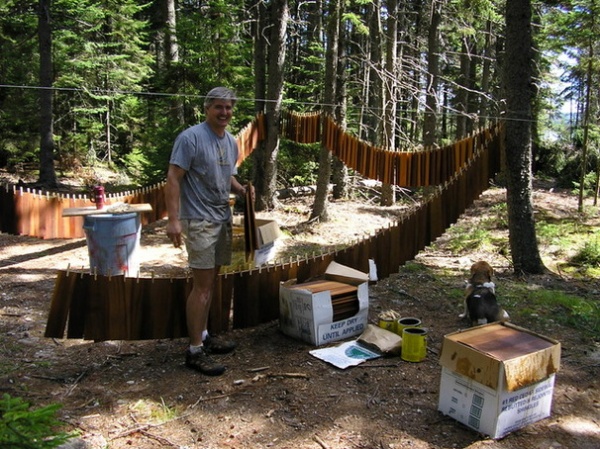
x=209 y=161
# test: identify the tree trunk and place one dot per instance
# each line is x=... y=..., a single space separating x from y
x=586 y=123
x=374 y=70
x=519 y=95
x=413 y=54
x=485 y=76
x=462 y=96
x=260 y=93
x=267 y=172
x=260 y=56
x=47 y=176
x=108 y=135
x=433 y=67
x=172 y=56
x=472 y=96
x=339 y=170
x=319 y=210
x=390 y=93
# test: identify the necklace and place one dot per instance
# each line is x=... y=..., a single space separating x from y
x=220 y=144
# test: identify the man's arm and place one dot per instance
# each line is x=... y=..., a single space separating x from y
x=172 y=196
x=237 y=188
x=240 y=189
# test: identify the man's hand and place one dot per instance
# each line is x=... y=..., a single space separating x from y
x=174 y=232
x=252 y=192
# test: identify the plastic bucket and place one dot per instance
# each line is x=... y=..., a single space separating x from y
x=113 y=241
x=414 y=344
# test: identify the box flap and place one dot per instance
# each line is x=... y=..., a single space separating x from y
x=531 y=368
x=469 y=362
x=504 y=342
x=342 y=273
x=268 y=231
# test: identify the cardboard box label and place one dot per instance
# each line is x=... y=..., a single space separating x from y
x=340 y=330
x=492 y=412
x=264 y=254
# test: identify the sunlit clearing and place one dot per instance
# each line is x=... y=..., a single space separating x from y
x=581 y=426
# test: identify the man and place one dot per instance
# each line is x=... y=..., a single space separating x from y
x=199 y=181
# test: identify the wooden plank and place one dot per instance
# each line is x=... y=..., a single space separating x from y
x=250 y=231
x=61 y=302
x=220 y=307
x=336 y=288
x=120 y=208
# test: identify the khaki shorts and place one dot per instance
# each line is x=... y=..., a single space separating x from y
x=208 y=244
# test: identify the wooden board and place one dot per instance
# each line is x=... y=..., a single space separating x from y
x=250 y=231
x=336 y=288
x=108 y=209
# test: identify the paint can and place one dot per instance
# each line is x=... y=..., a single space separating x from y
x=388 y=320
x=403 y=323
x=414 y=344
x=387 y=324
x=98 y=196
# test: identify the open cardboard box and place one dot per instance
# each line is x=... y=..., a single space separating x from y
x=308 y=316
x=498 y=377
x=267 y=234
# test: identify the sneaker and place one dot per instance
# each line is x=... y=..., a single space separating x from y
x=214 y=345
x=202 y=362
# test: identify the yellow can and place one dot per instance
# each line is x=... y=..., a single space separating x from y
x=414 y=344
x=389 y=325
x=405 y=322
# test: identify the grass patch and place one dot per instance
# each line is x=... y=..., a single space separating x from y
x=153 y=411
x=589 y=255
x=541 y=304
x=570 y=310
x=498 y=218
x=413 y=267
x=466 y=240
x=563 y=233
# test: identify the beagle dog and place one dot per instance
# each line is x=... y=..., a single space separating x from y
x=481 y=305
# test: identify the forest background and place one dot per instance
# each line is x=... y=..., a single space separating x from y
x=88 y=84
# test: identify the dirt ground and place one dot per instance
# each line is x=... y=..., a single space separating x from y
x=274 y=394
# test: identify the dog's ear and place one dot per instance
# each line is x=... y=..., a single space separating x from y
x=473 y=269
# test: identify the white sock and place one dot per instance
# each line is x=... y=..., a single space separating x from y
x=196 y=349
x=204 y=334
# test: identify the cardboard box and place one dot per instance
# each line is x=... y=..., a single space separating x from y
x=309 y=316
x=267 y=234
x=498 y=377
